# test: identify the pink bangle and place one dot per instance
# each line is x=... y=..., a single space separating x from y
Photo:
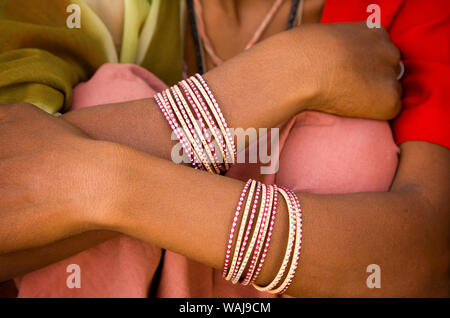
x=241 y=231
x=233 y=227
x=159 y=98
x=256 y=230
x=248 y=230
x=215 y=131
x=177 y=108
x=261 y=234
x=226 y=133
x=178 y=103
x=184 y=121
x=269 y=234
x=199 y=112
x=216 y=105
x=194 y=128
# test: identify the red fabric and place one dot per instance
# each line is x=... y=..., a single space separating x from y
x=421 y=30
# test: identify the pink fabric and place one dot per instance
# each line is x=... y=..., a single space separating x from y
x=319 y=153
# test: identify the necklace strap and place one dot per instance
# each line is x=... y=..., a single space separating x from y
x=255 y=38
x=195 y=18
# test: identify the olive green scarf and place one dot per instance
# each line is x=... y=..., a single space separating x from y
x=41 y=59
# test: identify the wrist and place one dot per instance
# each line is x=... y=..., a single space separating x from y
x=107 y=186
x=253 y=91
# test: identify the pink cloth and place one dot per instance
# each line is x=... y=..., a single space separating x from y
x=319 y=153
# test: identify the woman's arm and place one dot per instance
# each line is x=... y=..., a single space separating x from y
x=404 y=231
x=344 y=69
x=241 y=77
x=291 y=86
x=107 y=186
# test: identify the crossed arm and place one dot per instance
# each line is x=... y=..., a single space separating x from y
x=405 y=230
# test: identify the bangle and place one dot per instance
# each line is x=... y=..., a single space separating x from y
x=202 y=111
x=219 y=112
x=183 y=124
x=247 y=232
x=261 y=234
x=297 y=248
x=211 y=123
x=241 y=231
x=195 y=130
x=167 y=112
x=226 y=133
x=233 y=227
x=193 y=136
x=269 y=234
x=238 y=275
x=290 y=245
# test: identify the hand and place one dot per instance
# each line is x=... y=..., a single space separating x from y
x=353 y=67
x=345 y=69
x=53 y=178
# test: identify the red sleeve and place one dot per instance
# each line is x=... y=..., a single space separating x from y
x=421 y=30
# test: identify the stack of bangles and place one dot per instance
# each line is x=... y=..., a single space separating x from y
x=264 y=199
x=194 y=115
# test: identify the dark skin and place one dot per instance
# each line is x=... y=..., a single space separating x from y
x=242 y=18
x=108 y=122
x=409 y=192
x=404 y=230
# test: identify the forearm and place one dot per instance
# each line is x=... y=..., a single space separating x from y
x=400 y=231
x=404 y=231
x=140 y=124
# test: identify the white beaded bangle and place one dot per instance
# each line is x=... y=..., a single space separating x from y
x=290 y=245
x=241 y=231
x=261 y=236
x=297 y=248
x=196 y=129
x=254 y=236
x=227 y=135
x=191 y=139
